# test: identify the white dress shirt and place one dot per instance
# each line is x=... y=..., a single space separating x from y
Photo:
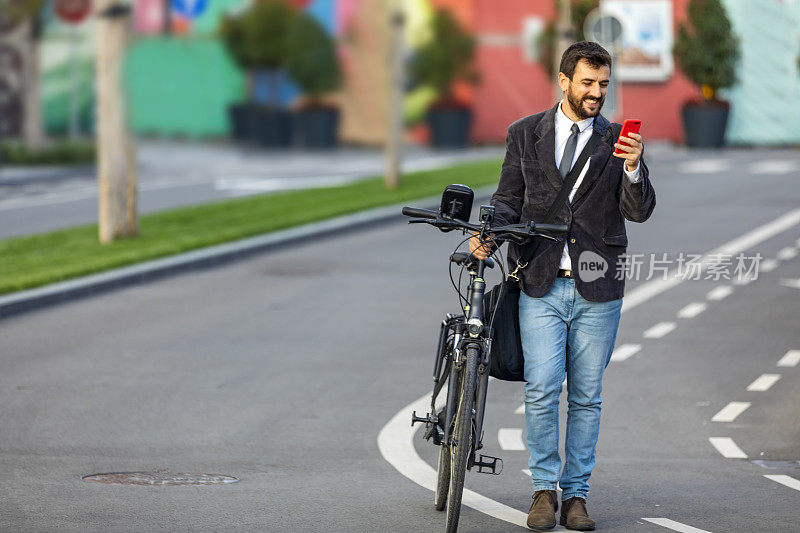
x=563 y=131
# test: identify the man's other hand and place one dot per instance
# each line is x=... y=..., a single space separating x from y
x=632 y=150
x=479 y=249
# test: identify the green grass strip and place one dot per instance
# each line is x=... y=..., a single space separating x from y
x=35 y=260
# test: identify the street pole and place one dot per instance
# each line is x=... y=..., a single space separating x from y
x=564 y=38
x=116 y=165
x=74 y=38
x=167 y=17
x=394 y=134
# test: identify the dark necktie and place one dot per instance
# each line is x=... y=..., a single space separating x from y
x=569 y=152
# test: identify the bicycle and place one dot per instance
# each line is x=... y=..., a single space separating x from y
x=463 y=350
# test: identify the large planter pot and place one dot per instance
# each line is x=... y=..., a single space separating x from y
x=704 y=125
x=317 y=128
x=449 y=126
x=239 y=120
x=272 y=127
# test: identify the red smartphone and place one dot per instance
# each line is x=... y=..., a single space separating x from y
x=629 y=126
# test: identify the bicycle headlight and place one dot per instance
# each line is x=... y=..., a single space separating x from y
x=474 y=327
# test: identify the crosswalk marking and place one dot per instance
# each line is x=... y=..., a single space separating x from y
x=692 y=310
x=789 y=481
x=703 y=166
x=718 y=293
x=510 y=439
x=675 y=526
x=727 y=447
x=625 y=351
x=763 y=382
x=659 y=330
x=730 y=412
x=791 y=358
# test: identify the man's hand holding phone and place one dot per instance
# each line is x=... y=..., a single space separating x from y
x=630 y=145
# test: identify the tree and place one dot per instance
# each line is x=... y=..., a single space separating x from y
x=706 y=49
x=311 y=58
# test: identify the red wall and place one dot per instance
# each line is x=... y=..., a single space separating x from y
x=512 y=87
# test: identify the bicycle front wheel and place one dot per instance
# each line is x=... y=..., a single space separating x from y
x=461 y=447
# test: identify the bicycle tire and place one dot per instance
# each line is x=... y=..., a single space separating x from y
x=442 y=477
x=461 y=447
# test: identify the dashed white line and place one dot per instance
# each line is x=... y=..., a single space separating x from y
x=520 y=410
x=789 y=481
x=510 y=439
x=646 y=291
x=793 y=283
x=675 y=526
x=659 y=330
x=768 y=265
x=774 y=167
x=692 y=310
x=718 y=293
x=626 y=350
x=787 y=253
x=791 y=358
x=763 y=382
x=704 y=166
x=727 y=447
x=730 y=412
x=739 y=282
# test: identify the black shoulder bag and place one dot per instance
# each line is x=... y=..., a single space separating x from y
x=501 y=303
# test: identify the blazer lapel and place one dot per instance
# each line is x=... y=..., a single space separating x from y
x=546 y=148
x=598 y=159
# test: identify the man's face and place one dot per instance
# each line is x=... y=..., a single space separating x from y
x=586 y=91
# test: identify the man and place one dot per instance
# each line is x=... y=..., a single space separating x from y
x=568 y=316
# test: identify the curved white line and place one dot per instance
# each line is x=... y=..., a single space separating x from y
x=396 y=439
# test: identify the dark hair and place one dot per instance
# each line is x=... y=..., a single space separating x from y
x=596 y=55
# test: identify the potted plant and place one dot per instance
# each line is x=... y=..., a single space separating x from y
x=313 y=65
x=256 y=38
x=706 y=52
x=443 y=61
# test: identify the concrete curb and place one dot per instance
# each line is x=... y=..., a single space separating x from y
x=27 y=300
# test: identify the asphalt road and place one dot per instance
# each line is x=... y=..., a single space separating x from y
x=282 y=370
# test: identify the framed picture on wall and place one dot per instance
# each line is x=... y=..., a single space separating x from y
x=644 y=50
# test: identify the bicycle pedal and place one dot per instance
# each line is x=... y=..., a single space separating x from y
x=427 y=419
x=493 y=465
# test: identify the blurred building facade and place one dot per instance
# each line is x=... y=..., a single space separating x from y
x=182 y=84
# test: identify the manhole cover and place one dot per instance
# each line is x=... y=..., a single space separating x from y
x=159 y=477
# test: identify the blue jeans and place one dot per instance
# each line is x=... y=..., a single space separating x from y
x=562 y=330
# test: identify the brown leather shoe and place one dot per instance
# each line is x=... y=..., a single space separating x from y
x=543 y=510
x=574 y=515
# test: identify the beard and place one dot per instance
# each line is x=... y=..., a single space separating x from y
x=576 y=104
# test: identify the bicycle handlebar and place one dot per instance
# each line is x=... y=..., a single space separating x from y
x=524 y=231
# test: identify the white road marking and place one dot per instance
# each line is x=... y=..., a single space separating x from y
x=395 y=440
x=510 y=439
x=718 y=293
x=520 y=410
x=774 y=167
x=791 y=358
x=767 y=265
x=763 y=382
x=727 y=447
x=789 y=481
x=659 y=330
x=704 y=166
x=692 y=310
x=526 y=472
x=739 y=282
x=652 y=288
x=730 y=412
x=626 y=350
x=396 y=444
x=787 y=253
x=675 y=526
x=793 y=283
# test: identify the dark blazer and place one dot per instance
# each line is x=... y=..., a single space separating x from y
x=529 y=183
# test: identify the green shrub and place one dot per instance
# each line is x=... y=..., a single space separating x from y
x=311 y=58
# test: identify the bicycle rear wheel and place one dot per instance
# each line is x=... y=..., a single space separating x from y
x=442 y=477
x=461 y=447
